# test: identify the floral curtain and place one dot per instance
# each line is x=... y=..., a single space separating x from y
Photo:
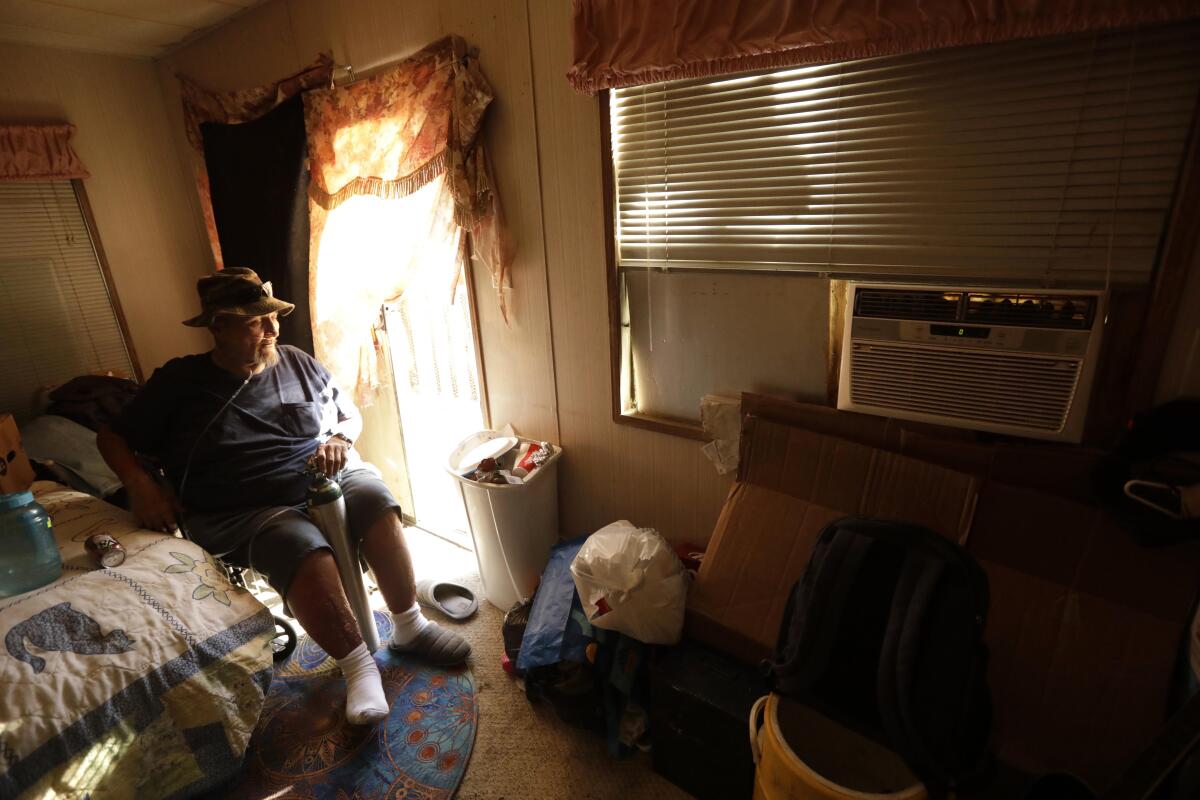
x=38 y=153
x=633 y=42
x=398 y=175
x=201 y=105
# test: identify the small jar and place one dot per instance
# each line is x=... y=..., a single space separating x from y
x=29 y=556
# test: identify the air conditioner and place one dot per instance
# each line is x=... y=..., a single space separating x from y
x=1018 y=362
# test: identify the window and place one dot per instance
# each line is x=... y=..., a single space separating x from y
x=1042 y=162
x=59 y=317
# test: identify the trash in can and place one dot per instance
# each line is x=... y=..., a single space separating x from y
x=513 y=523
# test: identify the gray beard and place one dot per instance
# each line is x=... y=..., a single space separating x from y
x=267 y=357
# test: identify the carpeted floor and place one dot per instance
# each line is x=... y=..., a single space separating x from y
x=522 y=751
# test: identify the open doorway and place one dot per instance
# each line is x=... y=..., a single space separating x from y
x=439 y=395
x=407 y=249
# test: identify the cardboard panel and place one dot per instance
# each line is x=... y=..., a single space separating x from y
x=1077 y=545
x=916 y=491
x=1158 y=582
x=1079 y=684
x=785 y=459
x=1022 y=629
x=16 y=473
x=737 y=600
x=1022 y=529
x=793 y=483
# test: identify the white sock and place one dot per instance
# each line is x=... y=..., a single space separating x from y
x=365 y=701
x=407 y=625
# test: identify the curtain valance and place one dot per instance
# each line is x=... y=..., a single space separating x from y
x=632 y=42
x=38 y=153
x=393 y=133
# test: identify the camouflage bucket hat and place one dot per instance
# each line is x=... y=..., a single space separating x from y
x=238 y=291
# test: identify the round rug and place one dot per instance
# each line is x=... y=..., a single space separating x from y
x=303 y=746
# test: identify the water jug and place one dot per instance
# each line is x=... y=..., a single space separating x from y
x=28 y=553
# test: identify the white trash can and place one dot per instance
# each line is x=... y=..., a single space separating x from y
x=513 y=526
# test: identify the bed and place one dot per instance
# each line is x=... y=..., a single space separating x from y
x=143 y=680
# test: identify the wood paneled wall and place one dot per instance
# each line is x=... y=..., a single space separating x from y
x=547 y=373
x=143 y=205
x=613 y=471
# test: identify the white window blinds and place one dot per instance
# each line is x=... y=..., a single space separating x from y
x=56 y=318
x=1041 y=161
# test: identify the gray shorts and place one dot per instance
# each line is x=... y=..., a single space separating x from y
x=274 y=540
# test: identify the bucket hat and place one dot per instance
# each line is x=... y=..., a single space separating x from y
x=238 y=291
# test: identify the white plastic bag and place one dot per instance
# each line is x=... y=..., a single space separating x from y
x=629 y=580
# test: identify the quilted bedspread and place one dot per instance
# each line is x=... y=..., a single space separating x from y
x=144 y=680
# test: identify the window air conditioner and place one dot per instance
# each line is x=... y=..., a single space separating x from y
x=1018 y=362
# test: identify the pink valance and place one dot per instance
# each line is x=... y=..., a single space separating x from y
x=633 y=42
x=38 y=153
x=393 y=133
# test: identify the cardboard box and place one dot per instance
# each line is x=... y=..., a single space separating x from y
x=16 y=473
x=792 y=482
x=1084 y=632
x=1084 y=628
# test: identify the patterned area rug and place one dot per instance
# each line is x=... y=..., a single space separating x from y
x=303 y=747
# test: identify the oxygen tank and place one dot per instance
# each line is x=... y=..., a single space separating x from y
x=327 y=509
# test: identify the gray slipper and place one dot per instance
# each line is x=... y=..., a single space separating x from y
x=452 y=599
x=437 y=646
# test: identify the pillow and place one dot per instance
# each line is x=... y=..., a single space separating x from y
x=71 y=447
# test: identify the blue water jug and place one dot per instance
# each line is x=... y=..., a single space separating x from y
x=29 y=555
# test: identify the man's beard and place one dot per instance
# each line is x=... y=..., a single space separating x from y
x=266 y=356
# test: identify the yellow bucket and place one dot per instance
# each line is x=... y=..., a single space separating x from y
x=802 y=755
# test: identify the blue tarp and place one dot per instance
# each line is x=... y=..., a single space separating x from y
x=557 y=629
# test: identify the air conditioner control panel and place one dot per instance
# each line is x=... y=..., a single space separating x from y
x=993 y=337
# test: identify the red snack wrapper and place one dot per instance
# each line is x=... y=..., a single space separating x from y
x=526 y=461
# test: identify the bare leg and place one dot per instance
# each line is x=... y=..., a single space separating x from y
x=319 y=602
x=386 y=552
x=388 y=555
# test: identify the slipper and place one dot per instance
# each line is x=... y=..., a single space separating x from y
x=452 y=599
x=436 y=645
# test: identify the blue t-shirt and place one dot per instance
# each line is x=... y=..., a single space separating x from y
x=254 y=451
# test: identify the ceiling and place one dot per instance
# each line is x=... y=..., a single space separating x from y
x=146 y=28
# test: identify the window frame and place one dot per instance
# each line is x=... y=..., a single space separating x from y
x=89 y=221
x=1131 y=357
x=675 y=427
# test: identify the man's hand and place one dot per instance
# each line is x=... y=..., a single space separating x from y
x=153 y=505
x=330 y=456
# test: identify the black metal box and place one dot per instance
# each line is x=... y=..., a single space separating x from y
x=700 y=707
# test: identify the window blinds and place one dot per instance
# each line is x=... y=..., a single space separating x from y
x=1039 y=161
x=56 y=319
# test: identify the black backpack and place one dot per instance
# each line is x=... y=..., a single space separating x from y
x=883 y=632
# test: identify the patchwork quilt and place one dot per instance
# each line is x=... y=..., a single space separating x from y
x=144 y=680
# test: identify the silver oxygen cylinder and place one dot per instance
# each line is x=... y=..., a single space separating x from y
x=327 y=509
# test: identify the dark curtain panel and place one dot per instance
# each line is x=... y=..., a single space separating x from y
x=259 y=178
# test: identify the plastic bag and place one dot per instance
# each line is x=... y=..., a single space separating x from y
x=629 y=580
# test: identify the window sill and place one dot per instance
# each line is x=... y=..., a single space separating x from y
x=687 y=429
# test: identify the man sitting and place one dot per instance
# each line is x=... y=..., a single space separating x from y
x=233 y=430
